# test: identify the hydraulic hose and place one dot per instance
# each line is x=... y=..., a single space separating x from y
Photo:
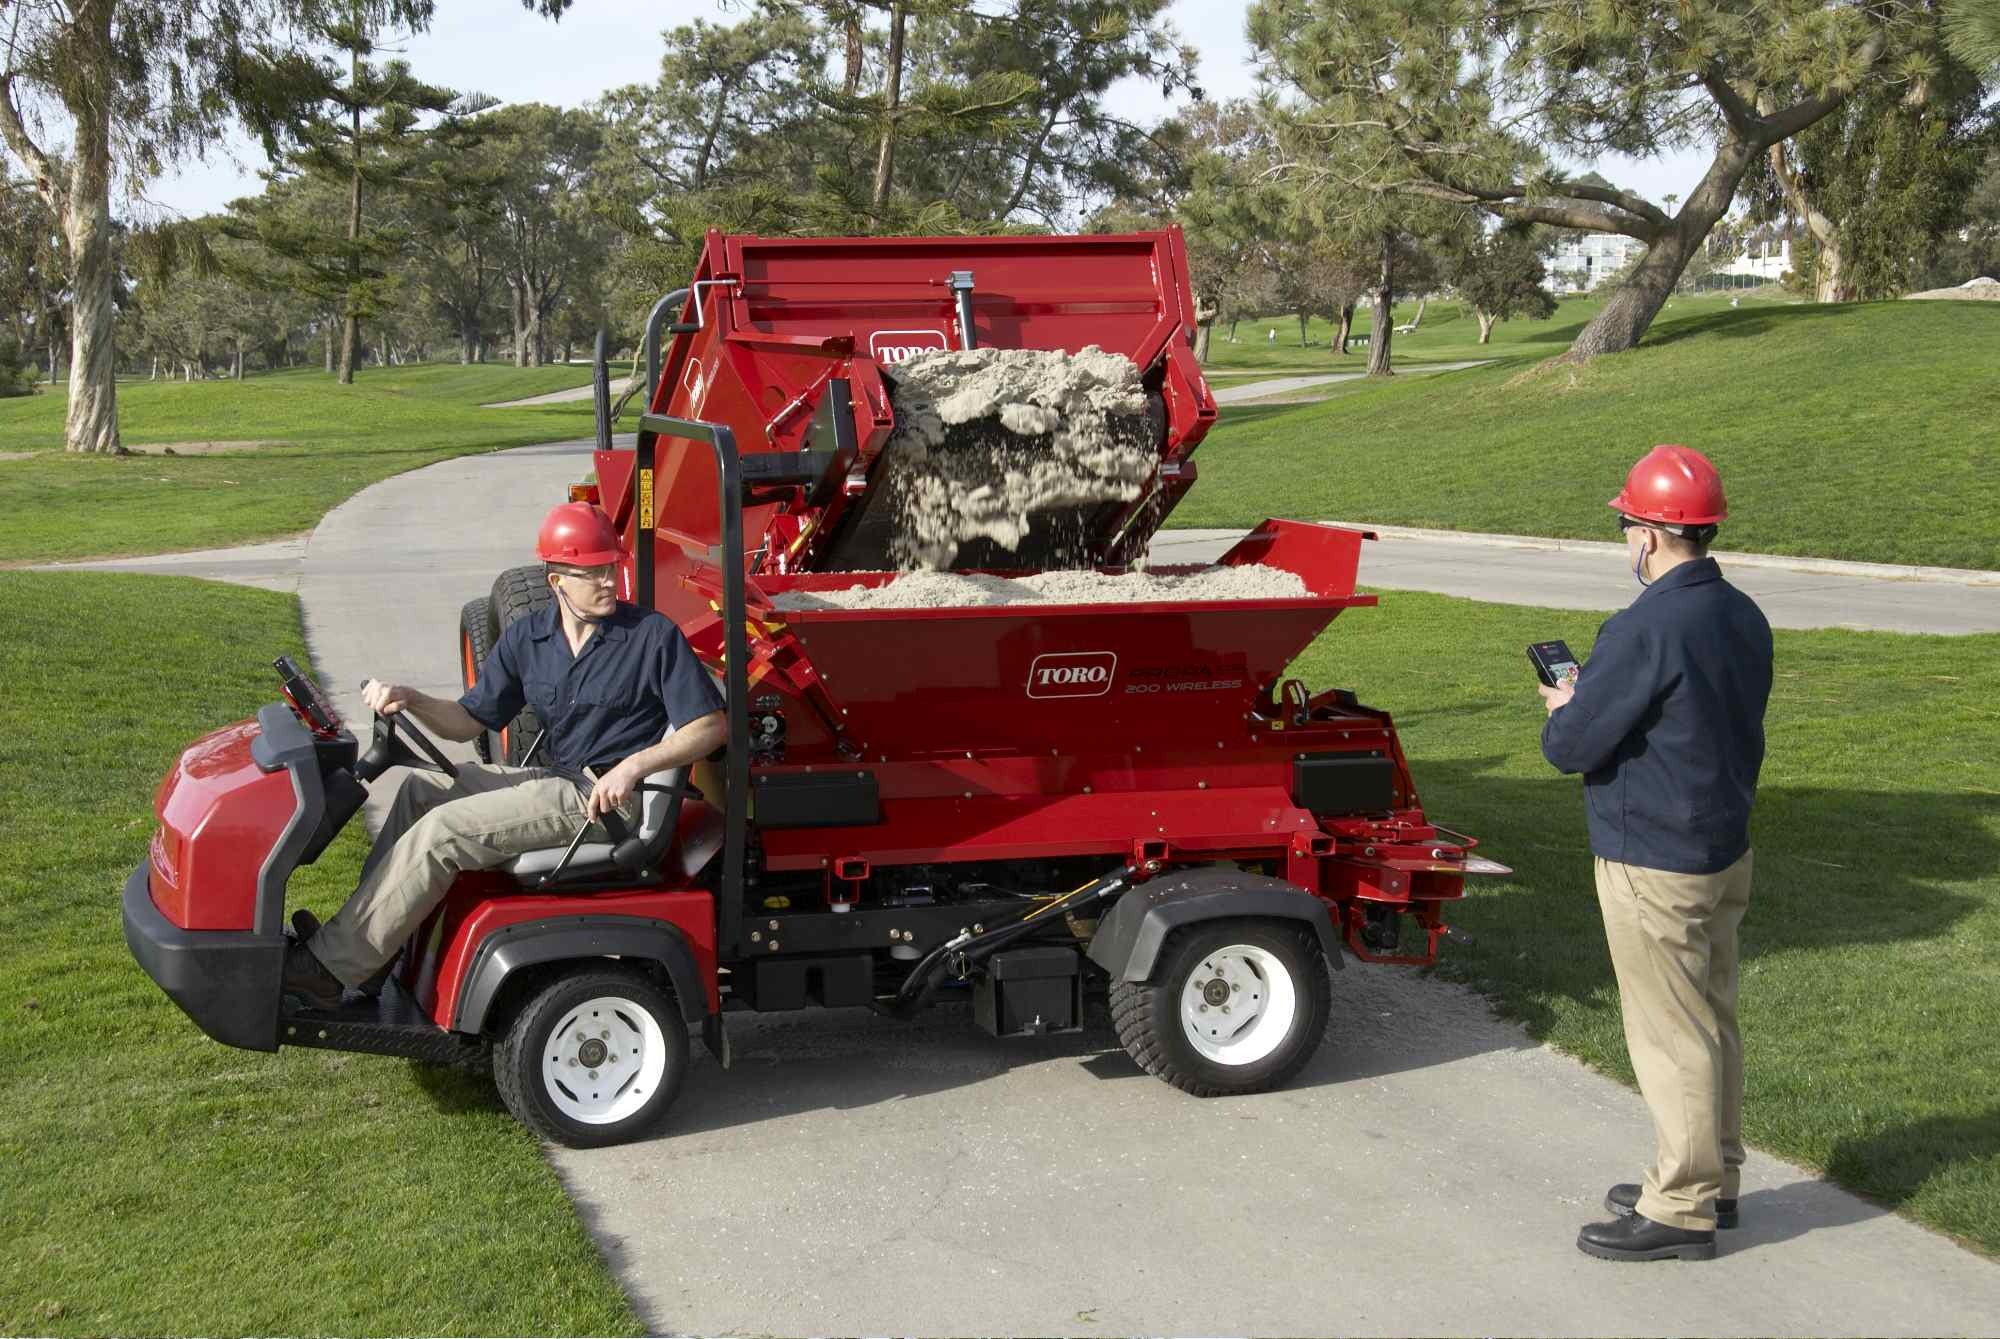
x=967 y=950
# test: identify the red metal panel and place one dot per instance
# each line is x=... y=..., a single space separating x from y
x=479 y=905
x=220 y=814
x=1035 y=827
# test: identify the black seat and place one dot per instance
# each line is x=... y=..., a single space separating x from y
x=628 y=854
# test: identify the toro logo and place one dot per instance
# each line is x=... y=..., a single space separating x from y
x=1072 y=674
x=895 y=346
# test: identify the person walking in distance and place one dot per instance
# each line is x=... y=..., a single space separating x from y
x=1666 y=724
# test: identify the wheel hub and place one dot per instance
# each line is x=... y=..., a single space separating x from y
x=604 y=1061
x=1238 y=1004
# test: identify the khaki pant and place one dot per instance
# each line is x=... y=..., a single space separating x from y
x=436 y=827
x=1673 y=946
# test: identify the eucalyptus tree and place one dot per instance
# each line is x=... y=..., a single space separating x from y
x=1468 y=103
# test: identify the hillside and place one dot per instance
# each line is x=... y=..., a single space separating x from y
x=1865 y=431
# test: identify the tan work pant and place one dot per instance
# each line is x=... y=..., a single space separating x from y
x=436 y=827
x=1673 y=946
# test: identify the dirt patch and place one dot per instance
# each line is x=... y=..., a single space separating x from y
x=961 y=590
x=989 y=440
x=202 y=448
x=1981 y=289
x=19 y=455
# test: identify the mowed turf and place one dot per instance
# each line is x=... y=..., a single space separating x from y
x=1871 y=951
x=332 y=441
x=1861 y=431
x=153 y=1181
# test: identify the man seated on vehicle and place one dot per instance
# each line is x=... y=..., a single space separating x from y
x=622 y=696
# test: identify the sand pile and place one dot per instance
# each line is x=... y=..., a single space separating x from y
x=958 y=590
x=1981 y=289
x=992 y=443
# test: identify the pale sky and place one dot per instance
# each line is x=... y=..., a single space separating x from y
x=497 y=47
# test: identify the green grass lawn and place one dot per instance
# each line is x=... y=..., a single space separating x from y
x=1449 y=334
x=153 y=1181
x=1871 y=952
x=1863 y=431
x=337 y=440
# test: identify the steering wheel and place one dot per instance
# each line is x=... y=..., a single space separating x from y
x=385 y=750
x=385 y=732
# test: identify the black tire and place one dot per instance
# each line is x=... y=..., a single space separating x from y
x=1149 y=1019
x=570 y=1004
x=476 y=634
x=517 y=592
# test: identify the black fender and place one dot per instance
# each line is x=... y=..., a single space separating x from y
x=1128 y=938
x=514 y=947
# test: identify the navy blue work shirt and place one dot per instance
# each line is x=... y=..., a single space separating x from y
x=634 y=677
x=1667 y=725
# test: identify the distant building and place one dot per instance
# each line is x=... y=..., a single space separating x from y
x=1766 y=254
x=1584 y=261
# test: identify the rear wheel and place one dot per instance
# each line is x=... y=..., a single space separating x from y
x=595 y=1058
x=517 y=593
x=1235 y=1006
x=476 y=635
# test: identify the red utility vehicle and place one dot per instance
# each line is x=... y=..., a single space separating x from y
x=1016 y=804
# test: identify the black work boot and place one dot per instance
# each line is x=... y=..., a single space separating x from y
x=307 y=980
x=1623 y=1200
x=1640 y=1238
x=305 y=925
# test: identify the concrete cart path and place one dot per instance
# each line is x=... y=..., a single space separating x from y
x=1426 y=1174
x=501 y=497
x=1257 y=390
x=564 y=396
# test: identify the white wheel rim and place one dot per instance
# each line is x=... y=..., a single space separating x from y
x=605 y=1061
x=1238 y=1004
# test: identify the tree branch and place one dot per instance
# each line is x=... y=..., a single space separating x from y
x=16 y=134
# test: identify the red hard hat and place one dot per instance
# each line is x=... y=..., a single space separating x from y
x=579 y=534
x=1673 y=485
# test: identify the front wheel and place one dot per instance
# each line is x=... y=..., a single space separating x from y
x=1235 y=1006
x=595 y=1058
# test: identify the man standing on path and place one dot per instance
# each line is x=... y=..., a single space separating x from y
x=1666 y=723
x=623 y=696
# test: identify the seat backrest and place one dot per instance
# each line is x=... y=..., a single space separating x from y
x=659 y=811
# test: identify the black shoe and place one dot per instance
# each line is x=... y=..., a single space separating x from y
x=1640 y=1238
x=305 y=925
x=1623 y=1200
x=308 y=981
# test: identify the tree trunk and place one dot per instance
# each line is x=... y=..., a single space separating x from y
x=92 y=420
x=885 y=157
x=350 y=331
x=1830 y=283
x=237 y=370
x=468 y=343
x=520 y=317
x=1303 y=318
x=1379 y=337
x=852 y=77
x=1346 y=326
x=1418 y=319
x=326 y=333
x=1630 y=310
x=1201 y=338
x=1486 y=320
x=531 y=309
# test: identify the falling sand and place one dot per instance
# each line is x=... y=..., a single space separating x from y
x=989 y=442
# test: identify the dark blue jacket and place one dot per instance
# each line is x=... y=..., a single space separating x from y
x=1667 y=725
